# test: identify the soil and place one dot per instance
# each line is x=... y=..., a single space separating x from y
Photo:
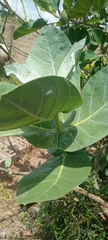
x=14 y=221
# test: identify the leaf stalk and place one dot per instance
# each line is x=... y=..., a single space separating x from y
x=58 y=124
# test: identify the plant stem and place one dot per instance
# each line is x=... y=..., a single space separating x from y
x=24 y=10
x=58 y=124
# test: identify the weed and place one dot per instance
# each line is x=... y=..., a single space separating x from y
x=3 y=189
x=71 y=217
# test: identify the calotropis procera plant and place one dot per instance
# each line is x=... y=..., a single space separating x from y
x=49 y=111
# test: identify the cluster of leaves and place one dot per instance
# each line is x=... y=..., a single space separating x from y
x=47 y=108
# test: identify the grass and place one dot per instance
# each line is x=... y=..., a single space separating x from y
x=72 y=217
x=4 y=191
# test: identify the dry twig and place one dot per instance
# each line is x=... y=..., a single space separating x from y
x=19 y=156
x=93 y=197
x=13 y=172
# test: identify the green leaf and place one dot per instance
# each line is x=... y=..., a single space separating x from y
x=48 y=5
x=105 y=3
x=6 y=87
x=53 y=179
x=71 y=60
x=91 y=120
x=45 y=135
x=14 y=132
x=75 y=77
x=98 y=5
x=29 y=27
x=67 y=4
x=80 y=9
x=89 y=56
x=22 y=71
x=94 y=20
x=97 y=37
x=64 y=17
x=77 y=34
x=106 y=172
x=37 y=101
x=51 y=54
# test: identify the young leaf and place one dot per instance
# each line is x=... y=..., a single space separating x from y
x=37 y=101
x=53 y=179
x=29 y=27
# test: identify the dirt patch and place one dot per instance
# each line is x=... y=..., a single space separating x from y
x=12 y=226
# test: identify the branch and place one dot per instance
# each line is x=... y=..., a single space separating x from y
x=94 y=198
x=7 y=6
x=18 y=155
x=13 y=172
x=38 y=11
x=100 y=201
x=84 y=24
x=24 y=10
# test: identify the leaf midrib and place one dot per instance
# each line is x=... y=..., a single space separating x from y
x=59 y=174
x=86 y=119
x=51 y=57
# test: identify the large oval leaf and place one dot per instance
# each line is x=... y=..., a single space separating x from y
x=37 y=101
x=51 y=54
x=53 y=179
x=91 y=120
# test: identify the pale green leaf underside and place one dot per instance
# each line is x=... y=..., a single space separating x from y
x=37 y=101
x=51 y=54
x=54 y=178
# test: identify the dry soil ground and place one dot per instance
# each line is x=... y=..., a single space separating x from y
x=12 y=226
